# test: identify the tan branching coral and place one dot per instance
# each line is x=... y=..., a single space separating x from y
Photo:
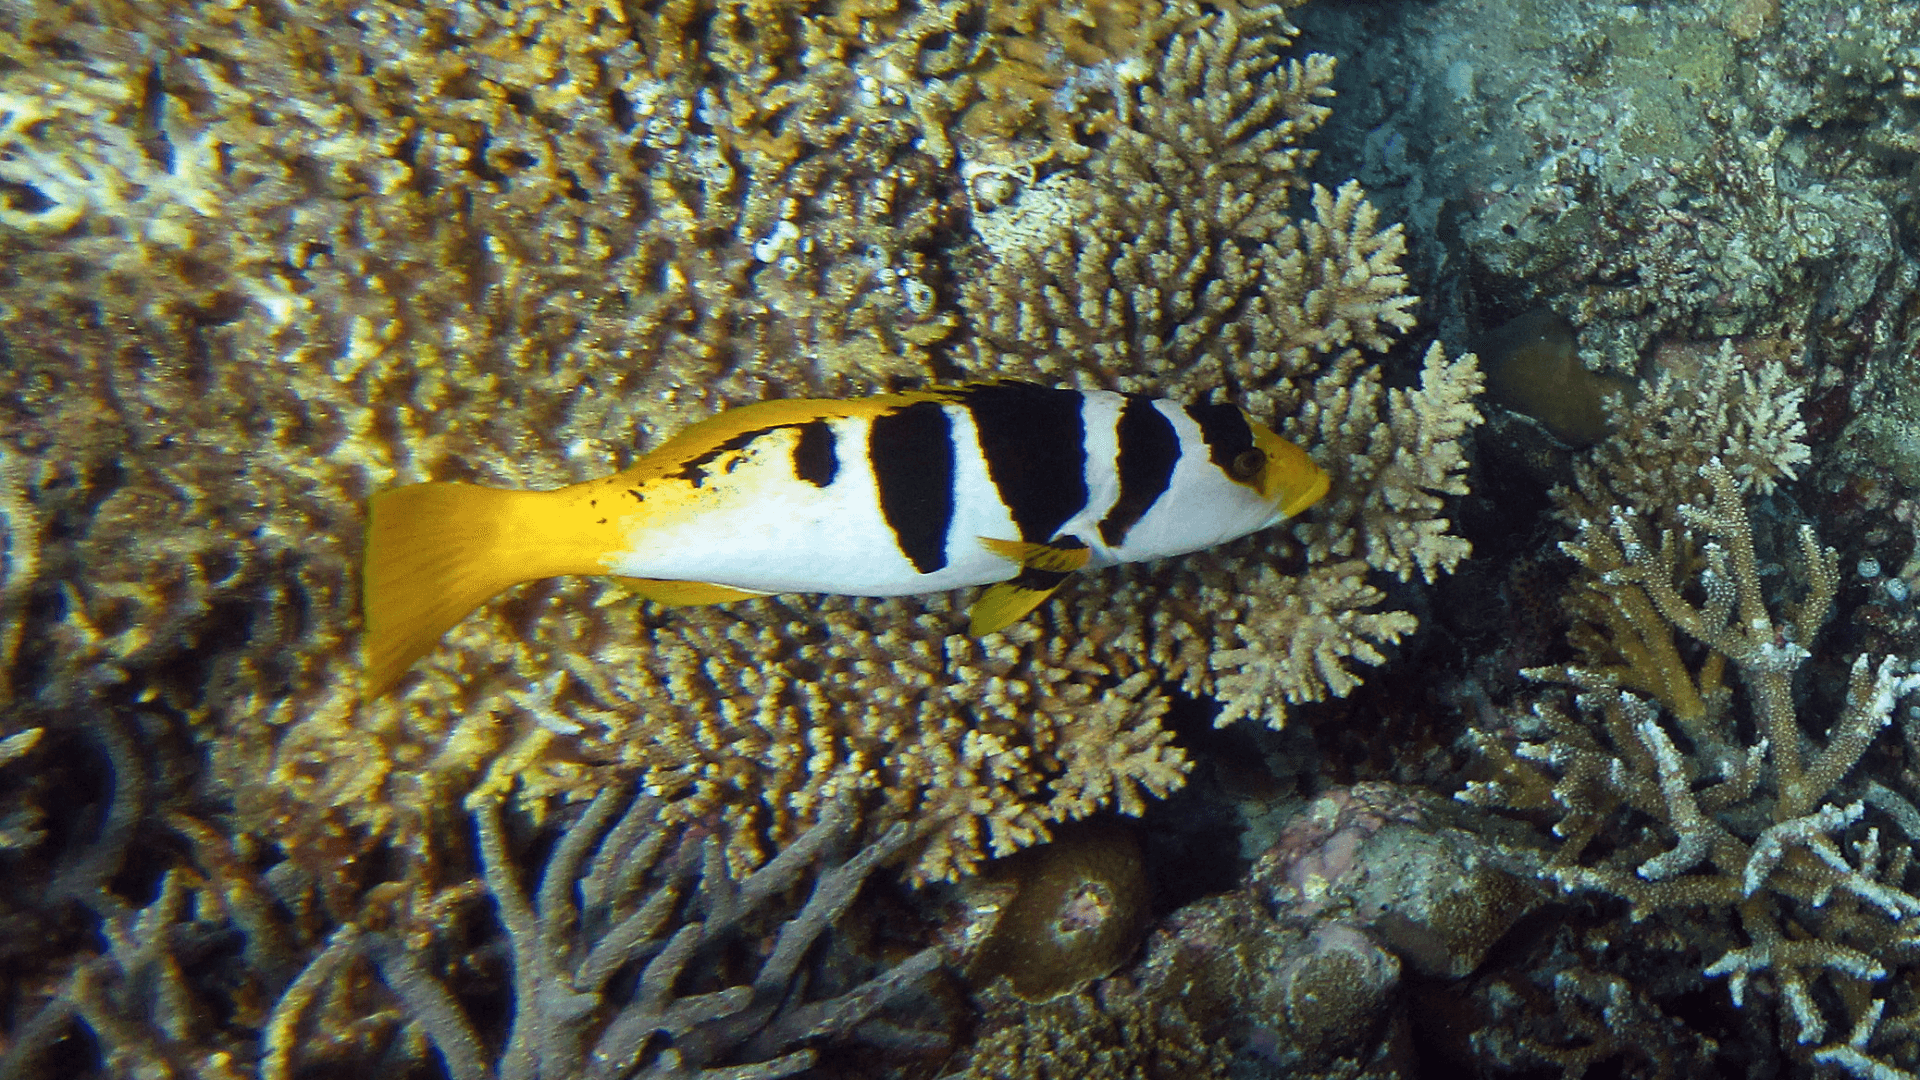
x=334 y=247
x=1174 y=260
x=1119 y=1034
x=1707 y=403
x=1767 y=845
x=1195 y=274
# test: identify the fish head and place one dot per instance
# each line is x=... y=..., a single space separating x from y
x=1279 y=471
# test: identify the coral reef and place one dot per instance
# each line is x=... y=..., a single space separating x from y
x=260 y=260
x=1648 y=171
x=259 y=264
x=624 y=958
x=1301 y=969
x=1765 y=855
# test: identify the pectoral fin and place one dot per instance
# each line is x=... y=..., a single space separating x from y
x=1043 y=567
x=684 y=593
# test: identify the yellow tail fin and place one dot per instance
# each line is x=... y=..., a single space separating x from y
x=437 y=551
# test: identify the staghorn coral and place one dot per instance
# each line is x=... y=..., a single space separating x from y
x=625 y=945
x=141 y=941
x=1576 y=1021
x=365 y=244
x=619 y=957
x=138 y=999
x=1765 y=857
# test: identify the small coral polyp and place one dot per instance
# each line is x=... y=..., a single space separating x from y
x=1084 y=911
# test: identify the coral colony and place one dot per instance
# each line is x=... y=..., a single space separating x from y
x=1571 y=732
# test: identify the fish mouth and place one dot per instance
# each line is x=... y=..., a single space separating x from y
x=1306 y=496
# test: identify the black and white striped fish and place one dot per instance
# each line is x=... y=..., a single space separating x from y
x=1008 y=484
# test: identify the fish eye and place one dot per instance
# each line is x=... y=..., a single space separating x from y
x=1247 y=465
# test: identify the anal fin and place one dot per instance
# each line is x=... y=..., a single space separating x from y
x=1043 y=568
x=684 y=593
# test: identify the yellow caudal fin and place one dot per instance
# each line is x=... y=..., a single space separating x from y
x=435 y=552
x=1043 y=568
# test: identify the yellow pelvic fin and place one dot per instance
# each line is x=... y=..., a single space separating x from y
x=435 y=552
x=684 y=593
x=1043 y=568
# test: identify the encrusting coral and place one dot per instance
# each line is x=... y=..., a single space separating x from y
x=1767 y=841
x=257 y=266
x=1306 y=969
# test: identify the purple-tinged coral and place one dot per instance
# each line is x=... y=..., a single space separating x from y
x=1302 y=967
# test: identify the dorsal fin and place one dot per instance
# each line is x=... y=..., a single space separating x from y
x=703 y=438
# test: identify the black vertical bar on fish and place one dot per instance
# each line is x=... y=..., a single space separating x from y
x=1035 y=441
x=1226 y=431
x=912 y=456
x=1149 y=449
x=815 y=459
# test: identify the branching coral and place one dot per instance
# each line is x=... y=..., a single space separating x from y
x=517 y=247
x=1750 y=807
x=623 y=963
x=173 y=987
x=1740 y=407
x=618 y=966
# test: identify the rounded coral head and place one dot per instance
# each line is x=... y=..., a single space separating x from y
x=1075 y=913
